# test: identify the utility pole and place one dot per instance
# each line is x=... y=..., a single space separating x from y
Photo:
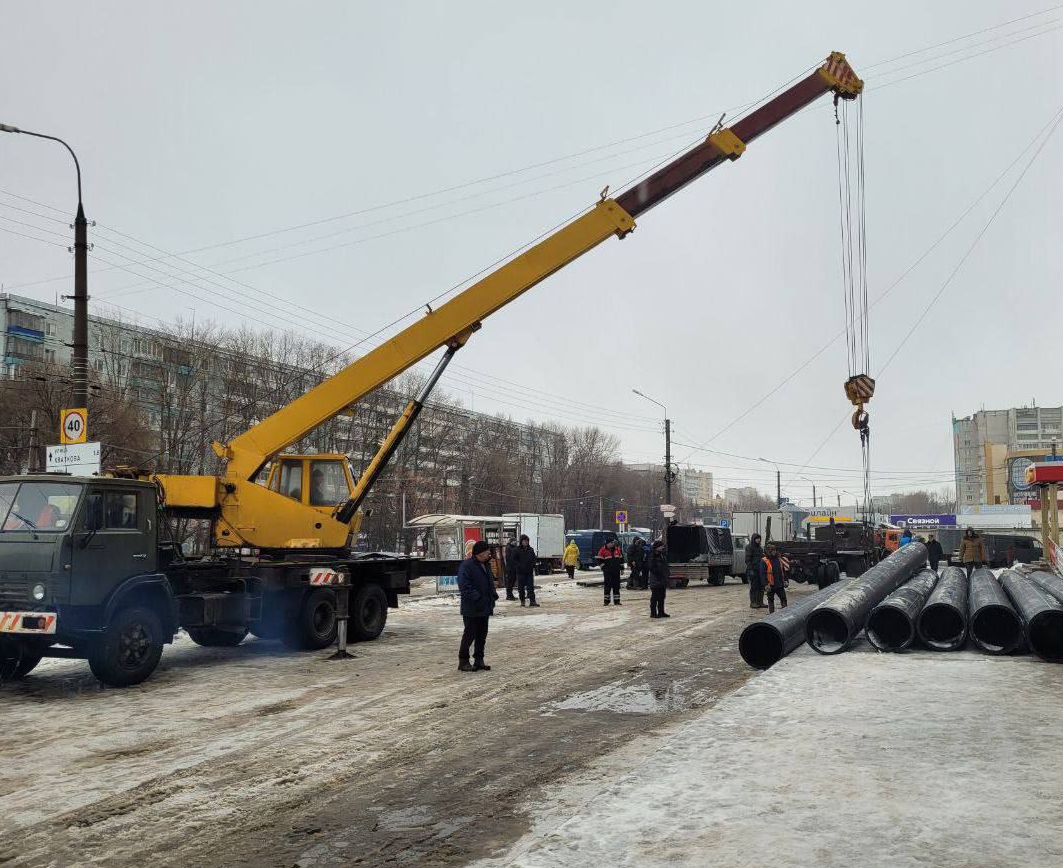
x=839 y=499
x=813 y=495
x=33 y=464
x=669 y=477
x=601 y=513
x=80 y=345
x=668 y=460
x=778 y=487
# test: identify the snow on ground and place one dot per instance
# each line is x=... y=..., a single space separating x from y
x=861 y=759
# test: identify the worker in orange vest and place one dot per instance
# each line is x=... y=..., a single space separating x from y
x=772 y=572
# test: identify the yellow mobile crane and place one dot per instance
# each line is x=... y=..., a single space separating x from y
x=284 y=566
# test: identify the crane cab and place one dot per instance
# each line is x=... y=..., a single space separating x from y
x=321 y=482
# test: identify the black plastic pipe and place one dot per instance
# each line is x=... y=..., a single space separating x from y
x=942 y=624
x=1050 y=583
x=833 y=625
x=891 y=624
x=1042 y=615
x=992 y=621
x=764 y=643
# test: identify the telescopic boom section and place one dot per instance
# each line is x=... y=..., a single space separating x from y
x=452 y=323
x=834 y=75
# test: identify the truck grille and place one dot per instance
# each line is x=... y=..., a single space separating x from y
x=14 y=589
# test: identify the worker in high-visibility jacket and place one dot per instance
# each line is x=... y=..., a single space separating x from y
x=772 y=572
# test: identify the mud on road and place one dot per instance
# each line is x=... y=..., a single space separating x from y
x=254 y=756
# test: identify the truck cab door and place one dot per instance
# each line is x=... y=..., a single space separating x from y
x=114 y=540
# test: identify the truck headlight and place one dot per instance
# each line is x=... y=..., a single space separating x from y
x=38 y=592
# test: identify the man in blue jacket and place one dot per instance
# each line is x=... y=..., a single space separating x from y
x=477 y=588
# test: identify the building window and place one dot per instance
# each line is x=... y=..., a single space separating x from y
x=20 y=348
x=50 y=329
x=23 y=320
x=49 y=356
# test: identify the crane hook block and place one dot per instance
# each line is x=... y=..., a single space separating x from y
x=859 y=389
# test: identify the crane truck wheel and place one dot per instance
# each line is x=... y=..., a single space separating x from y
x=129 y=650
x=369 y=613
x=314 y=627
x=217 y=637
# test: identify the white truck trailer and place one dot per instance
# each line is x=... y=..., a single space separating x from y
x=546 y=532
x=772 y=525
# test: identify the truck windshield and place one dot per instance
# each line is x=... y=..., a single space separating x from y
x=37 y=506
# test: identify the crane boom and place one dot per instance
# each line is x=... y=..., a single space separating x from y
x=250 y=514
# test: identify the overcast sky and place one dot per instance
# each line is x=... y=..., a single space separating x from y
x=200 y=123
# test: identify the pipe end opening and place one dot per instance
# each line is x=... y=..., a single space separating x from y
x=942 y=628
x=996 y=629
x=827 y=631
x=761 y=646
x=1046 y=635
x=889 y=629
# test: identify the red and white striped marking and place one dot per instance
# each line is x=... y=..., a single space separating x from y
x=840 y=69
x=42 y=623
x=325 y=577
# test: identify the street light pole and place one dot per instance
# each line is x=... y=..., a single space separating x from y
x=778 y=481
x=669 y=476
x=80 y=344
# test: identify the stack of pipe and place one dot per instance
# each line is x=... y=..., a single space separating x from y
x=764 y=643
x=993 y=623
x=1041 y=612
x=833 y=625
x=942 y=624
x=891 y=624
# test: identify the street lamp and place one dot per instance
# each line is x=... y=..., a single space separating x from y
x=778 y=481
x=81 y=287
x=669 y=476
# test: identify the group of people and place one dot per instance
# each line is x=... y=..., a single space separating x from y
x=766 y=573
x=648 y=566
x=476 y=585
x=972 y=553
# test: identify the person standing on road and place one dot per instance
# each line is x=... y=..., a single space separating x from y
x=476 y=586
x=525 y=561
x=570 y=558
x=972 y=551
x=511 y=568
x=754 y=555
x=773 y=577
x=934 y=552
x=636 y=560
x=658 y=572
x=612 y=559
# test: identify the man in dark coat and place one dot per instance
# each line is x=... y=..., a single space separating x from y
x=612 y=559
x=636 y=559
x=772 y=575
x=511 y=568
x=477 y=588
x=754 y=555
x=934 y=552
x=657 y=565
x=525 y=561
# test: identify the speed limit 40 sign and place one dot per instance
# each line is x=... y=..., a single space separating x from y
x=73 y=426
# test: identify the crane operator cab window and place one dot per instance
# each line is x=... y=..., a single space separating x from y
x=328 y=483
x=321 y=481
x=291 y=479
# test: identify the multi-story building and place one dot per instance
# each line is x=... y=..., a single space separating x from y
x=993 y=447
x=696 y=485
x=227 y=388
x=740 y=494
